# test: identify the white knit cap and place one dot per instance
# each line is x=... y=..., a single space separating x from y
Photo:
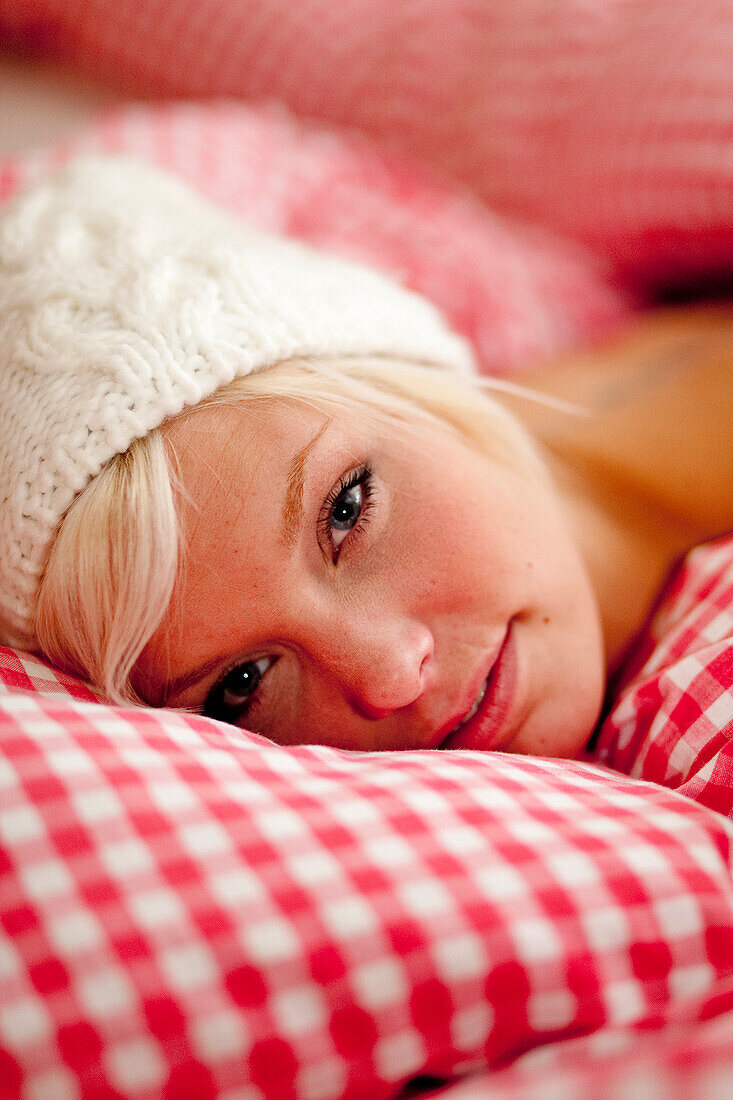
x=124 y=298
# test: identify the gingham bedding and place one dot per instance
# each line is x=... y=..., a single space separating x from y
x=672 y=716
x=191 y=911
x=188 y=911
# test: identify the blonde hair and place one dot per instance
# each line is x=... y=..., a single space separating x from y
x=112 y=569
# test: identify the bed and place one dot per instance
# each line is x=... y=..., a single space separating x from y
x=188 y=910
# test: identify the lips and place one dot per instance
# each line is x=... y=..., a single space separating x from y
x=483 y=722
x=476 y=704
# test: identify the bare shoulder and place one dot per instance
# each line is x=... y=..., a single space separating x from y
x=659 y=413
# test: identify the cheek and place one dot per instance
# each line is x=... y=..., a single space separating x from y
x=469 y=536
x=565 y=706
x=451 y=546
x=434 y=564
x=564 y=668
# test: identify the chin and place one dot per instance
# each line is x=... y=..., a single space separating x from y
x=564 y=737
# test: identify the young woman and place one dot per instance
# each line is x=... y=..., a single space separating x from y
x=245 y=479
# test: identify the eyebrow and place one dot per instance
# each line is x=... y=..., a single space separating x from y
x=292 y=518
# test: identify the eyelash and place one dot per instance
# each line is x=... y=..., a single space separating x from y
x=361 y=475
x=214 y=705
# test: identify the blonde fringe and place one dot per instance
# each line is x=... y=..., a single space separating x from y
x=111 y=573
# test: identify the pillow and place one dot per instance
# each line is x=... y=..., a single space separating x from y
x=690 y=1055
x=190 y=910
x=609 y=122
x=672 y=716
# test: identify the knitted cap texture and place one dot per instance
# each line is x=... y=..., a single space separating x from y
x=126 y=297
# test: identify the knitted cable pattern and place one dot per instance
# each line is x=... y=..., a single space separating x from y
x=124 y=298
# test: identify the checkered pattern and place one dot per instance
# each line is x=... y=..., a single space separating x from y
x=672 y=719
x=24 y=672
x=189 y=910
x=688 y=1058
x=607 y=120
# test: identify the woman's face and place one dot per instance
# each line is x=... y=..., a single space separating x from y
x=352 y=583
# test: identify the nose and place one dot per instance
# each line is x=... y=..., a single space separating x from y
x=381 y=665
x=390 y=673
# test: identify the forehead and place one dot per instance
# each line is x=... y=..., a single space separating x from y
x=231 y=464
x=225 y=443
x=240 y=465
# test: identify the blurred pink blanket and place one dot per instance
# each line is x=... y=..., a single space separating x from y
x=533 y=168
x=610 y=121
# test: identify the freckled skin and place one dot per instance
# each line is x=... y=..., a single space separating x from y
x=382 y=648
x=387 y=646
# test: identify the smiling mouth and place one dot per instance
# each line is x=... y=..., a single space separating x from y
x=483 y=721
x=470 y=713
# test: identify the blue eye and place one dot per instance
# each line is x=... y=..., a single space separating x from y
x=345 y=512
x=236 y=691
x=346 y=504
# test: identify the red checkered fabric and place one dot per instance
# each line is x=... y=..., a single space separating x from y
x=188 y=911
x=688 y=1058
x=191 y=911
x=24 y=672
x=672 y=718
x=606 y=120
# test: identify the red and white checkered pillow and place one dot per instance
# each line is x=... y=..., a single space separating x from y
x=686 y=1054
x=190 y=910
x=672 y=718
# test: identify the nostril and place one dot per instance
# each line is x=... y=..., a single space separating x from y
x=383 y=691
x=427 y=650
x=384 y=668
x=368 y=711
